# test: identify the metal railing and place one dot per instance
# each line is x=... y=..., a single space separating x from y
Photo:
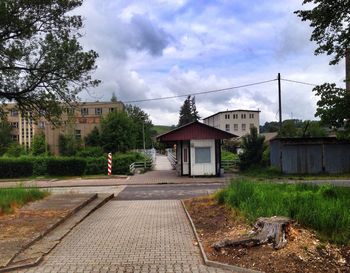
x=148 y=152
x=229 y=164
x=171 y=157
x=141 y=165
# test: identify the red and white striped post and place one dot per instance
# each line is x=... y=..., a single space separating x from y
x=109 y=163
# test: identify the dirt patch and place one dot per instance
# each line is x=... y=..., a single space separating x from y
x=27 y=223
x=303 y=253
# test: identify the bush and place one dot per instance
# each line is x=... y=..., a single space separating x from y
x=323 y=208
x=226 y=155
x=13 y=168
x=91 y=152
x=253 y=148
x=66 y=166
x=15 y=150
x=96 y=165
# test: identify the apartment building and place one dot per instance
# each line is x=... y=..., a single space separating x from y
x=237 y=122
x=78 y=120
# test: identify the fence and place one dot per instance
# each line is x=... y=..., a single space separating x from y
x=145 y=165
x=310 y=155
x=172 y=158
x=149 y=152
x=229 y=165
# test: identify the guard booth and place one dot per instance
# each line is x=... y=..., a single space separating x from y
x=198 y=148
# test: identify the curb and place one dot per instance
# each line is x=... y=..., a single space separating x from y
x=52 y=227
x=204 y=255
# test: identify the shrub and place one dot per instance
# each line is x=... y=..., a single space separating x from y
x=91 y=152
x=66 y=166
x=96 y=165
x=15 y=150
x=253 y=148
x=13 y=168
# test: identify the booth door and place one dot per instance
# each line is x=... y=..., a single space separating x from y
x=185 y=159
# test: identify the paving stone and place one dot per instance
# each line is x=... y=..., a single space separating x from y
x=129 y=236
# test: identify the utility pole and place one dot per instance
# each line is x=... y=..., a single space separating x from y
x=279 y=100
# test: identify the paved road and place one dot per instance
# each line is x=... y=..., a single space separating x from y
x=168 y=192
x=129 y=236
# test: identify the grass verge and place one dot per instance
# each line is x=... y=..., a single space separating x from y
x=17 y=197
x=326 y=208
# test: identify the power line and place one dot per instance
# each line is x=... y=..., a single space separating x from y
x=201 y=93
x=300 y=82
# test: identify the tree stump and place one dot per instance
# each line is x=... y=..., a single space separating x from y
x=266 y=230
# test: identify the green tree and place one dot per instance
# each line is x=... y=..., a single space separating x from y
x=42 y=63
x=15 y=150
x=39 y=144
x=142 y=124
x=67 y=145
x=94 y=138
x=330 y=22
x=188 y=112
x=5 y=135
x=253 y=148
x=117 y=132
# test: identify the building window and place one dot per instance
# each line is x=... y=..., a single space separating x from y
x=84 y=111
x=14 y=137
x=41 y=124
x=251 y=115
x=243 y=116
x=235 y=116
x=14 y=113
x=227 y=116
x=227 y=127
x=98 y=111
x=70 y=111
x=235 y=127
x=243 y=127
x=251 y=125
x=185 y=155
x=202 y=155
x=77 y=134
x=110 y=110
x=14 y=124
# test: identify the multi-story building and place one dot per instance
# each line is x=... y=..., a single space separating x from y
x=237 y=122
x=78 y=120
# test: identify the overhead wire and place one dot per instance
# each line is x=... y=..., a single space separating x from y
x=201 y=93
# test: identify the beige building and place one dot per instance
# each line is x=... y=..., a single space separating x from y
x=237 y=122
x=78 y=121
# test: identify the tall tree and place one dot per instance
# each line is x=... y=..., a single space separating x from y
x=117 y=132
x=41 y=61
x=39 y=144
x=188 y=112
x=93 y=139
x=5 y=135
x=253 y=148
x=330 y=21
x=143 y=125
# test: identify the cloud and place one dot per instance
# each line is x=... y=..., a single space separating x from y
x=164 y=48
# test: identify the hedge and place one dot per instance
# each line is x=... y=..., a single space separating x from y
x=65 y=166
x=14 y=168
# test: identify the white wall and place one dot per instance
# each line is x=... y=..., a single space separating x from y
x=203 y=168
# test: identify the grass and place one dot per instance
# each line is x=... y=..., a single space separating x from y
x=263 y=173
x=226 y=155
x=326 y=209
x=17 y=197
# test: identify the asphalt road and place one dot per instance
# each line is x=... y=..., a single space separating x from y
x=167 y=192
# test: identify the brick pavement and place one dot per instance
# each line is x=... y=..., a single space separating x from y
x=129 y=236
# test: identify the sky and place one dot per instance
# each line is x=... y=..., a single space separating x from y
x=160 y=48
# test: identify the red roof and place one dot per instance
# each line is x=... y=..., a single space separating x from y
x=194 y=130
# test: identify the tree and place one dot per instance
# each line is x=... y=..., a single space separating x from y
x=253 y=148
x=5 y=135
x=39 y=144
x=188 y=112
x=114 y=97
x=67 y=145
x=117 y=132
x=42 y=63
x=142 y=124
x=94 y=138
x=330 y=20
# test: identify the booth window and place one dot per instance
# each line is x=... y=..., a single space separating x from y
x=202 y=155
x=185 y=155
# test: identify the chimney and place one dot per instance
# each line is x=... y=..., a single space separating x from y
x=347 y=70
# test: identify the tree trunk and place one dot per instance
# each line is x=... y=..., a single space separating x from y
x=266 y=230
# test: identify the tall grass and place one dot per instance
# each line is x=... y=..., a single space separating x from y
x=325 y=209
x=17 y=197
